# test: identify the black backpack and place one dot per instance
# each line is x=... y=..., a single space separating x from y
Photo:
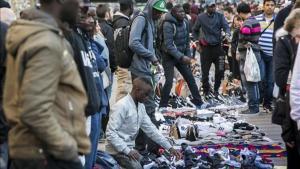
x=123 y=53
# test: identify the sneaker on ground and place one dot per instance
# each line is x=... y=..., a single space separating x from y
x=203 y=106
x=250 y=113
x=163 y=109
x=268 y=108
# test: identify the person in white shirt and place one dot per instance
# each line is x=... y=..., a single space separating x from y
x=294 y=19
x=129 y=115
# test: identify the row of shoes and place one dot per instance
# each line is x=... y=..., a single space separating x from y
x=228 y=128
x=215 y=159
x=210 y=101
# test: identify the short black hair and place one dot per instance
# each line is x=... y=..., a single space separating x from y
x=125 y=5
x=169 y=6
x=265 y=1
x=144 y=79
x=175 y=8
x=243 y=8
x=186 y=8
x=102 y=9
x=4 y=4
x=228 y=9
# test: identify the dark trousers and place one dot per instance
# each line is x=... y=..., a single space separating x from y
x=267 y=83
x=185 y=71
x=293 y=158
x=142 y=140
x=50 y=163
x=215 y=55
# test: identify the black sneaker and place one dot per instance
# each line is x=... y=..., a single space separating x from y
x=250 y=113
x=268 y=108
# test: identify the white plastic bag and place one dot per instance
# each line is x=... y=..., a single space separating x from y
x=251 y=68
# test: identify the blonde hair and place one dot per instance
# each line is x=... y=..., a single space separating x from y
x=292 y=21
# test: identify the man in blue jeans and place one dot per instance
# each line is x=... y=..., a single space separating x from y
x=249 y=37
x=99 y=64
x=266 y=21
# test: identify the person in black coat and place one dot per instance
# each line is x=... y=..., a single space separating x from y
x=177 y=53
x=122 y=19
x=284 y=57
x=104 y=18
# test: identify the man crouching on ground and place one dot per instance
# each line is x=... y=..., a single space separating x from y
x=129 y=115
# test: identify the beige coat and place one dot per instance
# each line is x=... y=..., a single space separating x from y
x=44 y=98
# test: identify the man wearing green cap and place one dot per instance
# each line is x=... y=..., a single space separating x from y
x=141 y=42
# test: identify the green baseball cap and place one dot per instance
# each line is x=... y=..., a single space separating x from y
x=160 y=5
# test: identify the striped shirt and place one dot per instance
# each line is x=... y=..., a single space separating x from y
x=249 y=32
x=266 y=39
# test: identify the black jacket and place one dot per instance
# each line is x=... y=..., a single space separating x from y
x=212 y=27
x=3 y=123
x=82 y=54
x=176 y=39
x=284 y=57
x=108 y=32
x=120 y=20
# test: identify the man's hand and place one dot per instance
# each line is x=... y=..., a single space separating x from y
x=227 y=37
x=175 y=153
x=135 y=155
x=186 y=60
x=290 y=144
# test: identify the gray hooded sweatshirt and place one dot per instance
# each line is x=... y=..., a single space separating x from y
x=144 y=52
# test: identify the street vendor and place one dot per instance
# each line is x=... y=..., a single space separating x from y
x=129 y=115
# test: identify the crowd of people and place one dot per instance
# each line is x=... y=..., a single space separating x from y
x=59 y=60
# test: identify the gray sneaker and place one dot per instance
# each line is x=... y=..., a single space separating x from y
x=249 y=113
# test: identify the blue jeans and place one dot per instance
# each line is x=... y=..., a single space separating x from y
x=252 y=88
x=4 y=155
x=90 y=159
x=267 y=79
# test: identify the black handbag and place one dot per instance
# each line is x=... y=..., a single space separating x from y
x=281 y=107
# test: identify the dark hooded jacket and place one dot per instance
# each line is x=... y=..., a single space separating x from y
x=82 y=54
x=142 y=44
x=176 y=39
